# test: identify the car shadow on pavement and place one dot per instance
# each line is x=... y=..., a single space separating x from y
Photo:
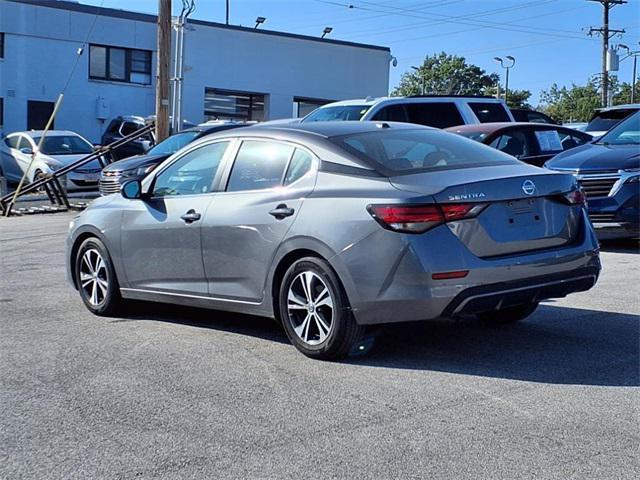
x=253 y=326
x=620 y=246
x=555 y=345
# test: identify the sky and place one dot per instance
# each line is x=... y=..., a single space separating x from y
x=548 y=38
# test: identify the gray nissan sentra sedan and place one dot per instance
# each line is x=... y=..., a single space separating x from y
x=332 y=226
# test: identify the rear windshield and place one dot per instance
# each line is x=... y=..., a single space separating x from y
x=603 y=121
x=489 y=112
x=344 y=112
x=626 y=133
x=402 y=152
x=173 y=143
x=64 y=145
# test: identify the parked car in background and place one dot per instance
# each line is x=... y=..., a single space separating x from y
x=605 y=119
x=525 y=115
x=533 y=143
x=430 y=110
x=331 y=226
x=123 y=126
x=579 y=126
x=138 y=166
x=608 y=171
x=60 y=148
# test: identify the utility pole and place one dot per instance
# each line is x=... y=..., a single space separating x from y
x=227 y=17
x=607 y=34
x=162 y=79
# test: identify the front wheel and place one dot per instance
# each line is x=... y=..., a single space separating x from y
x=96 y=278
x=315 y=312
x=509 y=314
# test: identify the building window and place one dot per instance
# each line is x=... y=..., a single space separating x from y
x=120 y=64
x=304 y=106
x=228 y=105
x=1 y=45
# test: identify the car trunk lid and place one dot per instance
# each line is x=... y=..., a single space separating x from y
x=525 y=208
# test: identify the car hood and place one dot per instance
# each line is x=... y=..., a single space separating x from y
x=595 y=157
x=69 y=159
x=136 y=161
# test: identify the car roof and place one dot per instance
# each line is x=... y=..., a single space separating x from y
x=332 y=129
x=369 y=101
x=491 y=127
x=39 y=133
x=628 y=106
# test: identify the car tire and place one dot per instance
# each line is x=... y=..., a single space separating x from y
x=315 y=312
x=505 y=316
x=96 y=279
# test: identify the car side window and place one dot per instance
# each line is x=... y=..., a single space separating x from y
x=193 y=173
x=392 y=113
x=129 y=127
x=259 y=165
x=512 y=143
x=299 y=165
x=569 y=141
x=12 y=142
x=434 y=114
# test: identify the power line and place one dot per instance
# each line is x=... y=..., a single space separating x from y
x=470 y=15
x=453 y=19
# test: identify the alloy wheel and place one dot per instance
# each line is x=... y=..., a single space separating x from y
x=94 y=277
x=310 y=308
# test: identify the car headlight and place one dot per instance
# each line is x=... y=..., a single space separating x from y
x=145 y=170
x=635 y=175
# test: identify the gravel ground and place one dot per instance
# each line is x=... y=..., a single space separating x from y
x=183 y=393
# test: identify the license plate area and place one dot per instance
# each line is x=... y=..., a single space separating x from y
x=523 y=212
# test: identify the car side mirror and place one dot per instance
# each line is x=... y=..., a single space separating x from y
x=132 y=190
x=26 y=151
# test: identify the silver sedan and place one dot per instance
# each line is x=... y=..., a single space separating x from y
x=332 y=226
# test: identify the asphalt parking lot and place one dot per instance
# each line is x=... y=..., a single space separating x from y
x=184 y=393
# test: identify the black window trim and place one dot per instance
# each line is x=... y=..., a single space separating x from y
x=127 y=65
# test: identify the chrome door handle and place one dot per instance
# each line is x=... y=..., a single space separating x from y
x=282 y=211
x=191 y=216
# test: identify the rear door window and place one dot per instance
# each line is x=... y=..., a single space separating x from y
x=259 y=165
x=434 y=114
x=300 y=164
x=392 y=113
x=487 y=112
x=514 y=143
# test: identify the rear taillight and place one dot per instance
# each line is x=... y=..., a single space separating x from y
x=420 y=218
x=575 y=197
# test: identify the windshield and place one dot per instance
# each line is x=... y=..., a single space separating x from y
x=64 y=145
x=626 y=132
x=173 y=143
x=603 y=121
x=402 y=152
x=343 y=112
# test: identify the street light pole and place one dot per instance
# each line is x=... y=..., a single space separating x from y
x=635 y=62
x=507 y=67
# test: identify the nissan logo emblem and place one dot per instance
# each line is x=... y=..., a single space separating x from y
x=529 y=187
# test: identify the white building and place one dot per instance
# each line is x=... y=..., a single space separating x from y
x=230 y=71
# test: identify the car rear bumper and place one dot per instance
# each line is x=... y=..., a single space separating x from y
x=399 y=287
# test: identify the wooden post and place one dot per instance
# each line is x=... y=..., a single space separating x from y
x=162 y=79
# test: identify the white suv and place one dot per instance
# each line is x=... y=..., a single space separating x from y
x=431 y=110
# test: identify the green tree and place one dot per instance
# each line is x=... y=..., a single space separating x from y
x=445 y=75
x=575 y=104
x=516 y=98
x=623 y=95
